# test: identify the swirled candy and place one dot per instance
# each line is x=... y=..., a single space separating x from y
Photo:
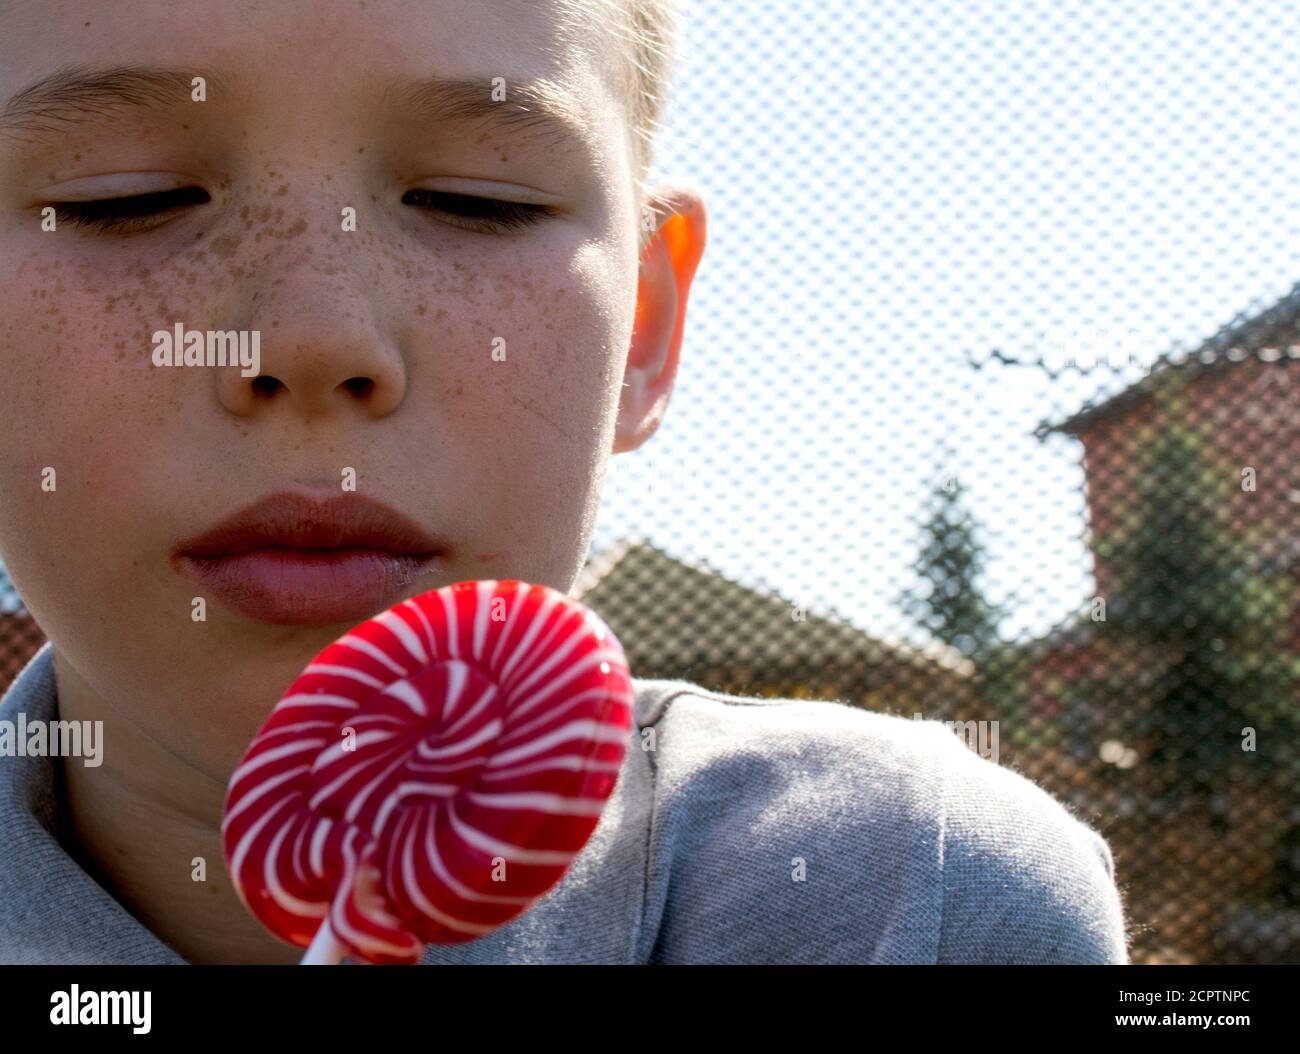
x=431 y=774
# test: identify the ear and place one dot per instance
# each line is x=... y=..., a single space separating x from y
x=668 y=263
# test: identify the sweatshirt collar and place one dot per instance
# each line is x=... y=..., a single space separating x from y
x=51 y=910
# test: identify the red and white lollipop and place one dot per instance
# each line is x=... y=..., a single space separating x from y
x=431 y=774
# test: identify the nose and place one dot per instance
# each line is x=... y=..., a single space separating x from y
x=323 y=346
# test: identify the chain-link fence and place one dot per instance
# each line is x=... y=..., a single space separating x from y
x=1163 y=709
x=989 y=411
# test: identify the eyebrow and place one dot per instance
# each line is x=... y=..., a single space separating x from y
x=75 y=94
x=539 y=107
x=79 y=93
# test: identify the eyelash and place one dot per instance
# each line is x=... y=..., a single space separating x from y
x=127 y=215
x=142 y=211
x=487 y=213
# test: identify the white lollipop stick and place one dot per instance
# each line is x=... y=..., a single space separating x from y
x=326 y=949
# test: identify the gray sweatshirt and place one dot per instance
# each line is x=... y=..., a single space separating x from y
x=741 y=831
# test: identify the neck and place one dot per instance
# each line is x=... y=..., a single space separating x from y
x=146 y=825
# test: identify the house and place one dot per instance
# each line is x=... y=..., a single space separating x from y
x=1240 y=393
x=1207 y=876
x=677 y=619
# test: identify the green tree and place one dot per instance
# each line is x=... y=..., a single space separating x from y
x=1187 y=588
x=950 y=602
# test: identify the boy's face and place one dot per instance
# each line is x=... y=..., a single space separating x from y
x=380 y=348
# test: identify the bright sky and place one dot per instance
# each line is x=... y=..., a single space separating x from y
x=894 y=187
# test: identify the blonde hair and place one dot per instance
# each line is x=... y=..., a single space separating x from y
x=647 y=30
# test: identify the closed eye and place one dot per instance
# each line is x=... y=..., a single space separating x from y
x=143 y=211
x=477 y=213
x=125 y=215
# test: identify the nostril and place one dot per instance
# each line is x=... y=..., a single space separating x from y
x=362 y=386
x=265 y=386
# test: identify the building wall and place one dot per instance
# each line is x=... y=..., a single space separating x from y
x=1249 y=416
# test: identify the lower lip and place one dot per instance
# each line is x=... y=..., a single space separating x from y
x=300 y=587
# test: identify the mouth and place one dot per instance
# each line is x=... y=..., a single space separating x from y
x=291 y=559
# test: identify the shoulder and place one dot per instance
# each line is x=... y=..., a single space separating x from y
x=813 y=831
x=1026 y=880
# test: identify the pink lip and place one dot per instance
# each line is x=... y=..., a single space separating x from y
x=297 y=560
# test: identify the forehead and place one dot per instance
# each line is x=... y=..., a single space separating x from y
x=346 y=56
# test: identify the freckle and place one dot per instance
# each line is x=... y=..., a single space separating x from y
x=265 y=214
x=296 y=229
x=243 y=214
x=361 y=150
x=421 y=309
x=284 y=189
x=225 y=245
x=185 y=126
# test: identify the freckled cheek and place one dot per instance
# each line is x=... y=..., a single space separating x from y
x=515 y=436
x=554 y=337
x=77 y=404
